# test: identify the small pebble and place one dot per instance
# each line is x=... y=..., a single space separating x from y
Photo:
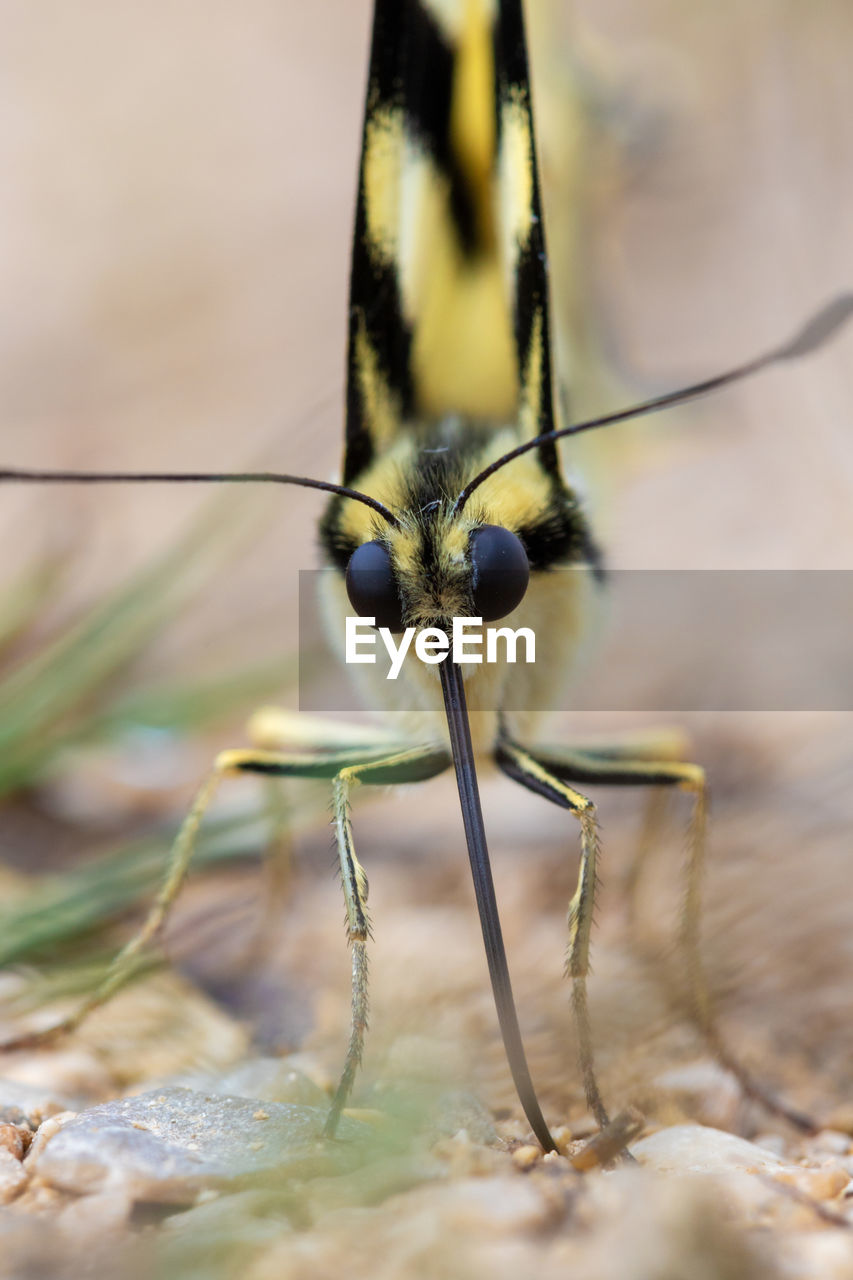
x=694 y=1148
x=45 y=1133
x=168 y=1146
x=555 y=1158
x=744 y=1168
x=13 y=1176
x=562 y=1135
x=15 y=1139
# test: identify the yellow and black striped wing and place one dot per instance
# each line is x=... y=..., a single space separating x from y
x=448 y=292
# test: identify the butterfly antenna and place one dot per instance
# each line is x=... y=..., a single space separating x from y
x=815 y=332
x=27 y=476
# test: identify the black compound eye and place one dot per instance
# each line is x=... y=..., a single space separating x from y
x=501 y=571
x=372 y=587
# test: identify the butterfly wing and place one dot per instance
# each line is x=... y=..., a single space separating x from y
x=448 y=291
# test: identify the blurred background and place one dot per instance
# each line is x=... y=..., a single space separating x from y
x=178 y=183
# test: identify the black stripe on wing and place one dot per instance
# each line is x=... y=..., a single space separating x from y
x=531 y=294
x=419 y=107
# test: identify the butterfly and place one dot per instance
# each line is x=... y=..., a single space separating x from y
x=453 y=502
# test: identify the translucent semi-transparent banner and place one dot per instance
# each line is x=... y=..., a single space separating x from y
x=661 y=641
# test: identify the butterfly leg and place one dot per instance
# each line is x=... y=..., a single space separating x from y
x=383 y=769
x=620 y=766
x=523 y=767
x=415 y=765
x=317 y=765
x=123 y=964
x=274 y=728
